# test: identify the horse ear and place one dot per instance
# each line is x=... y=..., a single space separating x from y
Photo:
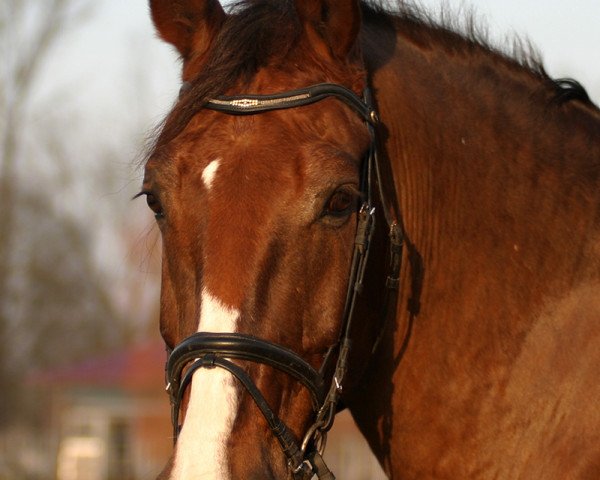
x=336 y=21
x=188 y=25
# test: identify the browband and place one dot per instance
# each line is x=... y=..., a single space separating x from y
x=249 y=104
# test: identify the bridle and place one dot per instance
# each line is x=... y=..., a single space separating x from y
x=217 y=350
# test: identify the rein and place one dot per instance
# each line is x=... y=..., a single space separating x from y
x=215 y=350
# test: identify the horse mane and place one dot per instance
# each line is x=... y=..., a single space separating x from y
x=455 y=30
x=568 y=89
x=258 y=31
x=463 y=31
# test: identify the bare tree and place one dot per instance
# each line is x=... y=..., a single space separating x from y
x=57 y=295
x=50 y=286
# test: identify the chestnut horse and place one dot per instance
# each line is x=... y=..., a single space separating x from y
x=364 y=209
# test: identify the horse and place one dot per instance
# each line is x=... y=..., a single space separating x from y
x=362 y=208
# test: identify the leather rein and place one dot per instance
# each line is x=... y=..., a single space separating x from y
x=216 y=350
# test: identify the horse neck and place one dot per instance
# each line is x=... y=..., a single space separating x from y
x=498 y=191
x=491 y=173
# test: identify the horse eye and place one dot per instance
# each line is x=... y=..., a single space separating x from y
x=340 y=203
x=154 y=205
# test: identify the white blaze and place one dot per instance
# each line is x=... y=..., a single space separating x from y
x=201 y=447
x=208 y=174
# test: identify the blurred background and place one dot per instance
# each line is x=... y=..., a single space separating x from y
x=82 y=83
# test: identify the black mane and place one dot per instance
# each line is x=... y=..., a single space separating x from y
x=465 y=31
x=568 y=89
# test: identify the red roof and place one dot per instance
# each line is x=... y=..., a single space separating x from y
x=140 y=367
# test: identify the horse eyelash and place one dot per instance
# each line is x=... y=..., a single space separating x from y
x=140 y=194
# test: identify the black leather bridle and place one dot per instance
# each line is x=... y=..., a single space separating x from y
x=217 y=350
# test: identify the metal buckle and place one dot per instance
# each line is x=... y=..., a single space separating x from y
x=366 y=224
x=318 y=434
x=300 y=467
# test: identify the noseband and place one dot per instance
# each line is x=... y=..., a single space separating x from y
x=216 y=350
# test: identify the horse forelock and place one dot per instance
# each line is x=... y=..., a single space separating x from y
x=258 y=36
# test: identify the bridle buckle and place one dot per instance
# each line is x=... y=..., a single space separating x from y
x=305 y=466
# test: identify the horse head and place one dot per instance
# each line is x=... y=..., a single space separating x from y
x=262 y=194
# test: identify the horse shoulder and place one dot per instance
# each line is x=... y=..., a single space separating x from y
x=549 y=408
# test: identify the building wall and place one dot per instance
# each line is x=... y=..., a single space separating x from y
x=116 y=435
x=112 y=435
